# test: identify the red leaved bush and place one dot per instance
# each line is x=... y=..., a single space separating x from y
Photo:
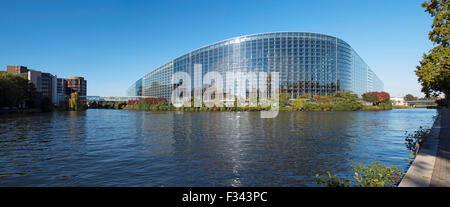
x=383 y=96
x=376 y=97
x=148 y=100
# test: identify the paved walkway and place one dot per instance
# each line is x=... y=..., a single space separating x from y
x=431 y=167
x=441 y=172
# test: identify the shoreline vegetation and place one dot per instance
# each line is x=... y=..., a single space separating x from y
x=19 y=96
x=341 y=101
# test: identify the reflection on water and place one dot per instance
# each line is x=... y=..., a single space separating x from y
x=133 y=148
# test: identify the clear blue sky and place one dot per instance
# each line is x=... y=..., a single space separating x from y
x=113 y=43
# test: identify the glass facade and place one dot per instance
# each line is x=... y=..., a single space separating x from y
x=307 y=62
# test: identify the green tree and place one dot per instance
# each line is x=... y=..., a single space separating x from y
x=7 y=90
x=345 y=101
x=370 y=97
x=46 y=104
x=75 y=102
x=410 y=97
x=434 y=70
x=15 y=90
x=120 y=104
x=30 y=94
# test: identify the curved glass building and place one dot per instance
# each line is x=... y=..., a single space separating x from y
x=307 y=63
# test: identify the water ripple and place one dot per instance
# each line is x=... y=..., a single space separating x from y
x=133 y=148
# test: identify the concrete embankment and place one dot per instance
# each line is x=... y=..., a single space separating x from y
x=431 y=166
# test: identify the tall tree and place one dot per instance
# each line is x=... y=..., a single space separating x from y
x=15 y=90
x=410 y=97
x=370 y=97
x=434 y=70
x=75 y=102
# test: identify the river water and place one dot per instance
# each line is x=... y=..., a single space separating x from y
x=100 y=147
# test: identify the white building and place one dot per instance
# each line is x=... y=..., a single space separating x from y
x=399 y=101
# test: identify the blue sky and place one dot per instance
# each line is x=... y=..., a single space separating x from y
x=113 y=43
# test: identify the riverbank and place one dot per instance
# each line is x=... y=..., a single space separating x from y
x=249 y=109
x=31 y=110
x=431 y=167
x=20 y=111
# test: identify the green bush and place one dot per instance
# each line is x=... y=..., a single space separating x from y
x=341 y=101
x=284 y=99
x=385 y=106
x=332 y=181
x=327 y=106
x=299 y=104
x=16 y=90
x=374 y=175
x=345 y=106
x=144 y=106
x=345 y=101
x=311 y=107
x=377 y=175
x=340 y=107
x=415 y=139
x=119 y=104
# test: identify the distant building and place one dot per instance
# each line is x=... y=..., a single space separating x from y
x=76 y=84
x=61 y=85
x=48 y=85
x=35 y=78
x=307 y=63
x=17 y=69
x=45 y=83
x=399 y=101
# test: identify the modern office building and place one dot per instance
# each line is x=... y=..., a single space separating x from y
x=76 y=84
x=45 y=83
x=17 y=69
x=48 y=85
x=61 y=87
x=307 y=63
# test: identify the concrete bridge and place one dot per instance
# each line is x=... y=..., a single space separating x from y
x=421 y=102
